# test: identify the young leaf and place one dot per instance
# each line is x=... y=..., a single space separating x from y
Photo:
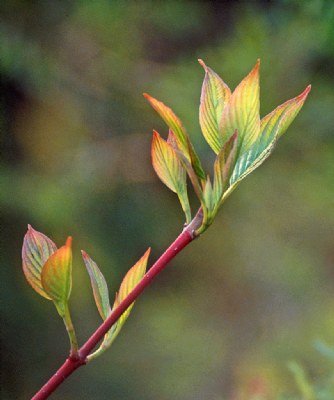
x=215 y=95
x=272 y=127
x=36 y=249
x=174 y=123
x=223 y=166
x=99 y=286
x=208 y=198
x=243 y=111
x=170 y=170
x=132 y=277
x=56 y=276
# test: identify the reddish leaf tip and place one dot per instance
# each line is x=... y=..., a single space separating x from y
x=147 y=96
x=68 y=241
x=305 y=92
x=202 y=63
x=255 y=70
x=84 y=254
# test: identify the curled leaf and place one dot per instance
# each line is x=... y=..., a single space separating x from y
x=99 y=286
x=36 y=249
x=56 y=275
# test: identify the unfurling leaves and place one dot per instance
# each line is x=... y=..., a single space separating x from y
x=131 y=279
x=36 y=249
x=231 y=125
x=170 y=170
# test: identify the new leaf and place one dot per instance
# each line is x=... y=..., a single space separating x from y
x=132 y=277
x=242 y=112
x=273 y=126
x=183 y=142
x=36 y=249
x=215 y=95
x=169 y=168
x=99 y=286
x=56 y=276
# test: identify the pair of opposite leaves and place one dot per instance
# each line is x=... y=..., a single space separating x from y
x=49 y=272
x=231 y=124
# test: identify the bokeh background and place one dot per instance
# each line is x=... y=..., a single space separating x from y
x=252 y=295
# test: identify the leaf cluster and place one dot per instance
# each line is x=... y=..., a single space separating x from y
x=230 y=123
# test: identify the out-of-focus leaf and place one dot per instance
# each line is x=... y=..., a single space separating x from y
x=99 y=286
x=243 y=111
x=302 y=382
x=36 y=249
x=215 y=95
x=132 y=277
x=170 y=170
x=224 y=165
x=56 y=276
x=183 y=142
x=272 y=127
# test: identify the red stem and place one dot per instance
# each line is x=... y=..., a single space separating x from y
x=70 y=365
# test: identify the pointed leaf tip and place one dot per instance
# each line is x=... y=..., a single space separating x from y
x=243 y=111
x=182 y=139
x=36 y=249
x=215 y=96
x=202 y=63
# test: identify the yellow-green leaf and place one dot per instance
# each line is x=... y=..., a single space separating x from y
x=215 y=95
x=223 y=166
x=272 y=127
x=243 y=111
x=99 y=286
x=170 y=170
x=56 y=275
x=131 y=279
x=36 y=249
x=183 y=142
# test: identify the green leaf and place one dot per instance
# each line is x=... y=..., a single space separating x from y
x=215 y=95
x=301 y=380
x=243 y=111
x=208 y=199
x=272 y=127
x=56 y=276
x=36 y=249
x=183 y=142
x=131 y=279
x=170 y=170
x=223 y=167
x=99 y=286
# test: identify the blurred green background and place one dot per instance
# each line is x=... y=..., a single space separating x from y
x=257 y=290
